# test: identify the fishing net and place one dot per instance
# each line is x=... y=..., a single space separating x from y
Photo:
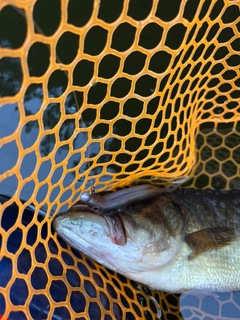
x=106 y=94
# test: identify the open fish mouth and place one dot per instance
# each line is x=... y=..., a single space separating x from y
x=117 y=232
x=113 y=224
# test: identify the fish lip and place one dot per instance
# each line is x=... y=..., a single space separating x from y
x=75 y=208
x=56 y=219
x=79 y=206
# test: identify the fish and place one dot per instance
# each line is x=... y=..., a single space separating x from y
x=177 y=241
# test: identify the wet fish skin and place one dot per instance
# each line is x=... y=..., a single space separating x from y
x=183 y=240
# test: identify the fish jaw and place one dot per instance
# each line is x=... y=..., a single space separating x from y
x=97 y=237
x=73 y=224
x=116 y=242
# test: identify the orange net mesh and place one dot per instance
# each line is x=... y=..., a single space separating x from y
x=106 y=93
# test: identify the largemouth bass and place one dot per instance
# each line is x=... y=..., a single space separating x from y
x=177 y=241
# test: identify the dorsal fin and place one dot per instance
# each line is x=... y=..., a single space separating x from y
x=209 y=239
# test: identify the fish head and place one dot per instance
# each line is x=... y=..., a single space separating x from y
x=135 y=240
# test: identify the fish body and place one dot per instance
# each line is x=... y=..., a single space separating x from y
x=177 y=241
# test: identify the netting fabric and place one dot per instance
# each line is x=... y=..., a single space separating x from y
x=107 y=93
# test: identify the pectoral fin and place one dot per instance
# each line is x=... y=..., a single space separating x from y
x=209 y=239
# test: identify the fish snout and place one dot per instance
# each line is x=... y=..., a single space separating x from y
x=58 y=220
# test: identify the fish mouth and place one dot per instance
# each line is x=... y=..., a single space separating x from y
x=114 y=224
x=116 y=229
